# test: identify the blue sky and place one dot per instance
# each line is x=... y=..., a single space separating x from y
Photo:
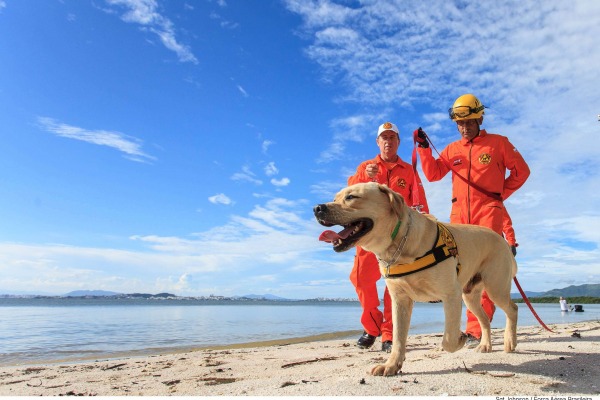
x=179 y=146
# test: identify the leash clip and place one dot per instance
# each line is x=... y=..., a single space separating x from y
x=418 y=208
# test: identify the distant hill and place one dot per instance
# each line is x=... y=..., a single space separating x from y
x=148 y=296
x=84 y=293
x=575 y=291
x=588 y=290
x=517 y=295
x=264 y=297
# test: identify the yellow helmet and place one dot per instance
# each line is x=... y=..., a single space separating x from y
x=466 y=106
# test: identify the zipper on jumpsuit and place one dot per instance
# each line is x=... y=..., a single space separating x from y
x=469 y=186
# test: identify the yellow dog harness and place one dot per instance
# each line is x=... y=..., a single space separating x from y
x=445 y=247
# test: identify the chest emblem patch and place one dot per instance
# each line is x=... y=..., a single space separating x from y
x=402 y=183
x=485 y=158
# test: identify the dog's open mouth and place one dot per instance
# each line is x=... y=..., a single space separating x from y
x=346 y=238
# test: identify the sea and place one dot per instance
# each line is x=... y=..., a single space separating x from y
x=57 y=330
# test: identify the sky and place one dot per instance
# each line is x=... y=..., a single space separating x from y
x=179 y=146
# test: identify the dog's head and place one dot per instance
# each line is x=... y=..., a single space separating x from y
x=360 y=209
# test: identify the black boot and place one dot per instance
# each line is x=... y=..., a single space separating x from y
x=366 y=341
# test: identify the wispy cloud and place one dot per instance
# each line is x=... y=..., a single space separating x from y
x=145 y=13
x=354 y=128
x=220 y=199
x=131 y=146
x=246 y=175
x=242 y=91
x=280 y=182
x=271 y=169
x=265 y=145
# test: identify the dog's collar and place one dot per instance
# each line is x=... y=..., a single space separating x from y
x=444 y=248
x=396 y=228
x=402 y=242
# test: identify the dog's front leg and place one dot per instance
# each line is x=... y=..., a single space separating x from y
x=402 y=306
x=453 y=339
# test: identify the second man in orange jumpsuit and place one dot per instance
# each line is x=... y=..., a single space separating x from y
x=482 y=159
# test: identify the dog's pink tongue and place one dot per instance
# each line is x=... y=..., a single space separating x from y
x=331 y=236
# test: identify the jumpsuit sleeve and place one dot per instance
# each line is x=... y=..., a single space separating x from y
x=434 y=169
x=519 y=170
x=507 y=228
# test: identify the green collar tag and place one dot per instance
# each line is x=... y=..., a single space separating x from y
x=396 y=229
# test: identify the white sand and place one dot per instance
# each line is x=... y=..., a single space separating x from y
x=544 y=365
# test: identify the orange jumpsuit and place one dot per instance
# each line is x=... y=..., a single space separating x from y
x=483 y=161
x=399 y=177
x=508 y=230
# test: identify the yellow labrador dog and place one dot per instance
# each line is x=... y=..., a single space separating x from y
x=424 y=260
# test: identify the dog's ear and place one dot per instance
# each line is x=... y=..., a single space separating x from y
x=396 y=200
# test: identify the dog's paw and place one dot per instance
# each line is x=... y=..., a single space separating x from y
x=509 y=346
x=384 y=370
x=484 y=348
x=453 y=344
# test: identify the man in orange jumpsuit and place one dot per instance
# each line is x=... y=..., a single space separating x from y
x=388 y=169
x=482 y=159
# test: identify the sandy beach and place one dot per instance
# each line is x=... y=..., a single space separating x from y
x=564 y=363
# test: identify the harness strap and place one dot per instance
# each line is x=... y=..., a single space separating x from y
x=445 y=247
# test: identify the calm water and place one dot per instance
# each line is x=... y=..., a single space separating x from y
x=42 y=330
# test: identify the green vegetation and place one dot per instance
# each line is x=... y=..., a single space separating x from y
x=570 y=300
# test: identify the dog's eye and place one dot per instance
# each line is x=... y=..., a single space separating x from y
x=351 y=197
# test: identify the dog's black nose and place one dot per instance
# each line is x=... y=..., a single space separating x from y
x=319 y=208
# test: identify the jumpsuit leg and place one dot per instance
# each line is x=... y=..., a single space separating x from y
x=364 y=276
x=387 y=326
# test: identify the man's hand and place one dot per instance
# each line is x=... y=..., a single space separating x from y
x=420 y=138
x=372 y=170
x=514 y=250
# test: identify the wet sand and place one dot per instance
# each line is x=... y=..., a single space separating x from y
x=564 y=363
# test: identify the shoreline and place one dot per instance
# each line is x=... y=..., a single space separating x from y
x=153 y=352
x=566 y=362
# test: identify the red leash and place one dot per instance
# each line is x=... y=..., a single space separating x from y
x=526 y=300
x=493 y=195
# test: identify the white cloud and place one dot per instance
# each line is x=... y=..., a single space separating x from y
x=129 y=145
x=271 y=169
x=220 y=199
x=145 y=13
x=242 y=91
x=246 y=175
x=275 y=239
x=266 y=144
x=280 y=182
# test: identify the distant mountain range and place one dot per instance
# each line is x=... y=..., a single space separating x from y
x=592 y=290
x=84 y=293
x=263 y=297
x=589 y=290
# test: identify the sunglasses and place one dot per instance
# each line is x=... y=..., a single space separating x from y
x=463 y=111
